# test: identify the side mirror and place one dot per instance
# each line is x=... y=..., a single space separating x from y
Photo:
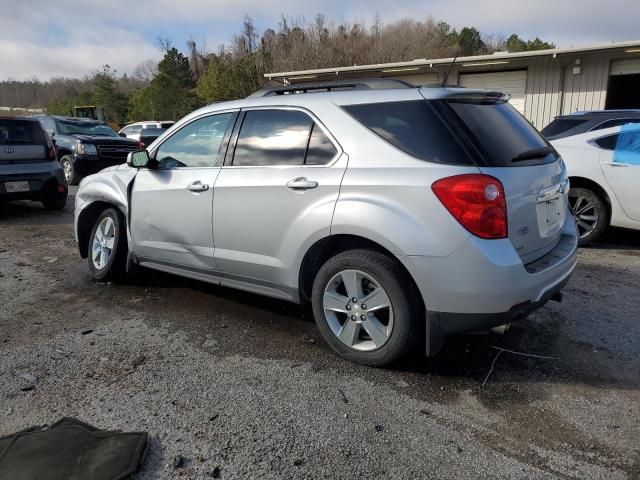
x=122 y=134
x=139 y=159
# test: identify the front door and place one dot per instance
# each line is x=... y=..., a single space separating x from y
x=171 y=202
x=621 y=167
x=275 y=194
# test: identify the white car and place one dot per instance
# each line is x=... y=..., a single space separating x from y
x=604 y=171
x=133 y=129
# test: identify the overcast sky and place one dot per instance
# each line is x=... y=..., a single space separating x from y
x=73 y=38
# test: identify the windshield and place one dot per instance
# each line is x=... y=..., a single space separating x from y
x=85 y=128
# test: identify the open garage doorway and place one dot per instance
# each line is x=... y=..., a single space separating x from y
x=623 y=92
x=624 y=84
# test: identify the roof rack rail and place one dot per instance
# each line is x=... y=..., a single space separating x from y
x=309 y=87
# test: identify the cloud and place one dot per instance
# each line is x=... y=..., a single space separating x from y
x=75 y=37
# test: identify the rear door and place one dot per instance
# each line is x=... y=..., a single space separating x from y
x=620 y=163
x=535 y=180
x=277 y=190
x=171 y=202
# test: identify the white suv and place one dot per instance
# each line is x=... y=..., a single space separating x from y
x=402 y=214
x=133 y=129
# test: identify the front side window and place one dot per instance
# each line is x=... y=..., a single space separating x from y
x=273 y=137
x=197 y=144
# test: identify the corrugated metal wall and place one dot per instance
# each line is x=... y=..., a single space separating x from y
x=587 y=90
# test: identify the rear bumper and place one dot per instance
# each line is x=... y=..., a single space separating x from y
x=41 y=185
x=485 y=284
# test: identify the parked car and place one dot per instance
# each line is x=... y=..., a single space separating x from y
x=85 y=146
x=401 y=213
x=148 y=136
x=133 y=130
x=604 y=170
x=29 y=169
x=583 y=122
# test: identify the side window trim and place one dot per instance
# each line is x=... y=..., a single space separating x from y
x=316 y=122
x=235 y=111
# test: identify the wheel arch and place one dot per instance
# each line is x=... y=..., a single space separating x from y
x=86 y=220
x=329 y=246
x=61 y=152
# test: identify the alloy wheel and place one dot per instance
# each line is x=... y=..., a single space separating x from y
x=66 y=168
x=358 y=310
x=103 y=241
x=584 y=213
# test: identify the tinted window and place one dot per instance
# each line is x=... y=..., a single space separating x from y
x=321 y=151
x=197 y=144
x=166 y=124
x=273 y=137
x=561 y=125
x=615 y=123
x=16 y=132
x=414 y=127
x=608 y=142
x=502 y=133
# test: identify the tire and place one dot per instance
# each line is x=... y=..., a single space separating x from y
x=55 y=203
x=400 y=323
x=66 y=162
x=111 y=267
x=590 y=213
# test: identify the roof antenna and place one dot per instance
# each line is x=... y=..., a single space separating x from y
x=444 y=82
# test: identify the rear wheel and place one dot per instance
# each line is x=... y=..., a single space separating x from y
x=590 y=213
x=108 y=246
x=70 y=174
x=366 y=308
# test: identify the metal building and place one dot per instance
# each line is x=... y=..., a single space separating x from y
x=542 y=84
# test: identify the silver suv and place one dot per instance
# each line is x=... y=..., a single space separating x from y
x=402 y=214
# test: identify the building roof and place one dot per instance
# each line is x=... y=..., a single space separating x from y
x=498 y=57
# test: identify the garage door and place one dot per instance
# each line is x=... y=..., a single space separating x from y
x=421 y=79
x=628 y=66
x=514 y=83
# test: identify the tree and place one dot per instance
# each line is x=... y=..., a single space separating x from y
x=107 y=95
x=516 y=44
x=170 y=94
x=470 y=42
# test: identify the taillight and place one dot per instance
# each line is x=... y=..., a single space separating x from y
x=141 y=145
x=476 y=201
x=51 y=154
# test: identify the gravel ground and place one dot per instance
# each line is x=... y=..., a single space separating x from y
x=242 y=386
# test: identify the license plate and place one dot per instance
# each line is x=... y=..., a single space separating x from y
x=551 y=216
x=15 y=187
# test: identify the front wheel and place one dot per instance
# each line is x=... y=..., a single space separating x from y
x=69 y=170
x=108 y=246
x=366 y=307
x=590 y=213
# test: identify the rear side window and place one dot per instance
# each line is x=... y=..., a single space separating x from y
x=503 y=134
x=166 y=124
x=21 y=132
x=608 y=142
x=281 y=137
x=414 y=127
x=561 y=125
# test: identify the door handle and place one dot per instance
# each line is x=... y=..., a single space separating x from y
x=198 y=186
x=301 y=183
x=616 y=164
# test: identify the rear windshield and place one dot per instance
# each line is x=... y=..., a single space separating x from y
x=561 y=125
x=20 y=132
x=414 y=127
x=504 y=136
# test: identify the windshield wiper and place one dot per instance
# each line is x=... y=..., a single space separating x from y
x=533 y=153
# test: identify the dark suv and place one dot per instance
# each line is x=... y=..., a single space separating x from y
x=29 y=169
x=85 y=146
x=583 y=122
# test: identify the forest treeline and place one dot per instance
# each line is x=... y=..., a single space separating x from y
x=181 y=82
